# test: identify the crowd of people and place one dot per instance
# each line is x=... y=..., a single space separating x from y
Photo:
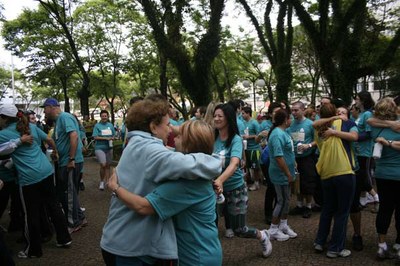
x=175 y=178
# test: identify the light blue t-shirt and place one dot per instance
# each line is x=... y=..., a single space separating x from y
x=65 y=124
x=29 y=160
x=280 y=144
x=145 y=164
x=226 y=153
x=364 y=148
x=254 y=129
x=103 y=130
x=302 y=131
x=38 y=135
x=387 y=167
x=174 y=122
x=191 y=204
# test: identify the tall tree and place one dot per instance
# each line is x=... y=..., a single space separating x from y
x=193 y=67
x=337 y=37
x=277 y=43
x=61 y=11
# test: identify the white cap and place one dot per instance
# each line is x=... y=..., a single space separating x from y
x=9 y=110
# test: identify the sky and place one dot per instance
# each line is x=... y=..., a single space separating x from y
x=12 y=8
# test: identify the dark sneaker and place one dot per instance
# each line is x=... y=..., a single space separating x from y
x=316 y=208
x=296 y=211
x=357 y=243
x=307 y=213
x=341 y=254
x=82 y=186
x=384 y=254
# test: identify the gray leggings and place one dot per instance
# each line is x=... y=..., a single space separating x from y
x=282 y=200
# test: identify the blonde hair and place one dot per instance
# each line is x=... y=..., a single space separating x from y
x=386 y=109
x=209 y=116
x=197 y=136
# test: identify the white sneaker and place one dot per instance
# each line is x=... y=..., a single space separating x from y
x=396 y=247
x=288 y=231
x=254 y=186
x=266 y=244
x=101 y=187
x=370 y=198
x=363 y=201
x=229 y=233
x=276 y=234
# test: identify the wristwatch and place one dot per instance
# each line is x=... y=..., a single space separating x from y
x=114 y=191
x=71 y=159
x=390 y=143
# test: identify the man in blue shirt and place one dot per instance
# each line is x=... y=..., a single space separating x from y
x=69 y=146
x=253 y=150
x=302 y=133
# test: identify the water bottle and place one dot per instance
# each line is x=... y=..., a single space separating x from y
x=220 y=198
x=245 y=144
x=298 y=148
x=110 y=143
x=377 y=153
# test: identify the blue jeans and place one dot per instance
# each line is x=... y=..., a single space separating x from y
x=338 y=196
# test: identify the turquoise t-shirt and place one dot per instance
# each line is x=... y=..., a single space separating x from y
x=387 y=166
x=174 y=122
x=280 y=144
x=241 y=126
x=364 y=148
x=226 y=153
x=65 y=124
x=302 y=131
x=254 y=129
x=191 y=204
x=103 y=130
x=265 y=125
x=38 y=135
x=29 y=160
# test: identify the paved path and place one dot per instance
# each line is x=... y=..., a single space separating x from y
x=85 y=247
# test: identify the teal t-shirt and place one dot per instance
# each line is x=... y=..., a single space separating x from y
x=29 y=160
x=226 y=153
x=191 y=204
x=103 y=130
x=241 y=126
x=364 y=148
x=254 y=129
x=387 y=166
x=302 y=131
x=280 y=144
x=174 y=122
x=65 y=124
x=265 y=125
x=38 y=135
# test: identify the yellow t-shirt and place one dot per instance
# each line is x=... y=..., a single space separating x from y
x=333 y=159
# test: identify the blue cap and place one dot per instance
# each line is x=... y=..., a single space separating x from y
x=50 y=102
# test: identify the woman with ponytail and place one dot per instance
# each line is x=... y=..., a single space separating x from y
x=35 y=178
x=282 y=173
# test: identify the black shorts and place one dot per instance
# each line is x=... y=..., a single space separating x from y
x=252 y=159
x=308 y=174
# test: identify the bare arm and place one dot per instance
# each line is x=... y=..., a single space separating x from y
x=229 y=171
x=73 y=138
x=137 y=203
x=395 y=143
x=375 y=122
x=322 y=121
x=349 y=136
